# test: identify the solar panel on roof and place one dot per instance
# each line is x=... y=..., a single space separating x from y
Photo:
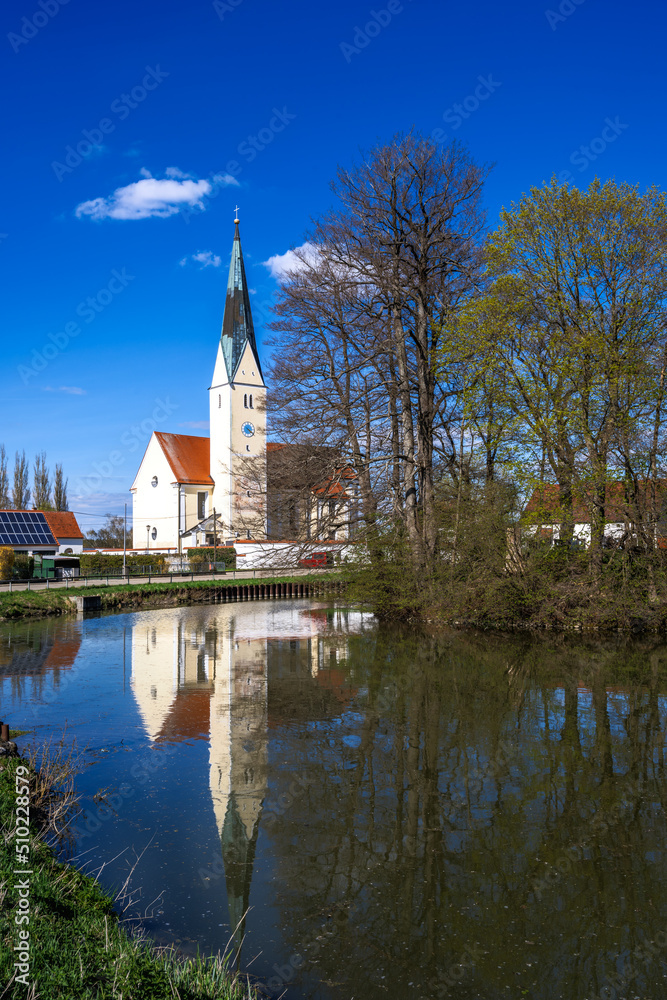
x=24 y=528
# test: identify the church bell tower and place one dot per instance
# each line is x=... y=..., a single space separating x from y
x=237 y=400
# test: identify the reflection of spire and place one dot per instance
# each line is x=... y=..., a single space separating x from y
x=239 y=765
x=207 y=668
x=238 y=854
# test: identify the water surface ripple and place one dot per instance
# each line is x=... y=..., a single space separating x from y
x=363 y=812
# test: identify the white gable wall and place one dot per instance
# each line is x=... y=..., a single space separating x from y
x=75 y=544
x=156 y=506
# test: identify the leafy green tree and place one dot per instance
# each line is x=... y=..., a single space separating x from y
x=574 y=317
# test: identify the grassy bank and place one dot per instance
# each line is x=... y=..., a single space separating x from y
x=78 y=947
x=36 y=604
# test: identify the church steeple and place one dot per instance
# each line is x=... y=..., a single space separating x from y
x=237 y=326
x=237 y=404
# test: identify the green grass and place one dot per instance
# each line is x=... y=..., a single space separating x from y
x=78 y=946
x=33 y=604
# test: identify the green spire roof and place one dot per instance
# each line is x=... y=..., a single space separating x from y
x=237 y=328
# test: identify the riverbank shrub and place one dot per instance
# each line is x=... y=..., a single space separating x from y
x=490 y=574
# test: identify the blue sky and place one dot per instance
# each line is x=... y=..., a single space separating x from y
x=253 y=103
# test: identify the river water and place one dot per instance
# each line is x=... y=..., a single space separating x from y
x=359 y=812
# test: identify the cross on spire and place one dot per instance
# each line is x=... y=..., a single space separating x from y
x=236 y=214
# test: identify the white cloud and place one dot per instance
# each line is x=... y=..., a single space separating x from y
x=200 y=425
x=154 y=197
x=73 y=390
x=281 y=265
x=205 y=258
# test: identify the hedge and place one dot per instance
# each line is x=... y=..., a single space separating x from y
x=96 y=562
x=224 y=553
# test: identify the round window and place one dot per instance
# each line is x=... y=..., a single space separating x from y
x=154 y=534
x=154 y=481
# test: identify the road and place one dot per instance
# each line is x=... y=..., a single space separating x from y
x=82 y=581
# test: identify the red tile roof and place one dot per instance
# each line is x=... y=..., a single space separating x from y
x=62 y=524
x=544 y=505
x=188 y=456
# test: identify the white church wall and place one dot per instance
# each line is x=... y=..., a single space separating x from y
x=156 y=506
x=286 y=555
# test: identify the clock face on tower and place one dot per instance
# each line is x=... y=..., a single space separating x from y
x=248 y=429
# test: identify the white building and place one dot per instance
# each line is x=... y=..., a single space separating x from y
x=183 y=479
x=66 y=531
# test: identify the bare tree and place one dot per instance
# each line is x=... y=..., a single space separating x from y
x=41 y=492
x=60 y=501
x=325 y=382
x=20 y=489
x=4 y=479
x=361 y=321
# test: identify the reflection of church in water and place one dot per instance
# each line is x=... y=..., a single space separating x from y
x=210 y=672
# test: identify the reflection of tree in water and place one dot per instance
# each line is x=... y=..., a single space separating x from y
x=432 y=837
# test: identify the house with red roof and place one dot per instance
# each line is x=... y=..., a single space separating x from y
x=625 y=515
x=66 y=531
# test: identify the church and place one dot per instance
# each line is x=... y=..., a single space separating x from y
x=195 y=491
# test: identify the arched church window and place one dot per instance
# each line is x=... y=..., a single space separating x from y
x=251 y=406
x=245 y=400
